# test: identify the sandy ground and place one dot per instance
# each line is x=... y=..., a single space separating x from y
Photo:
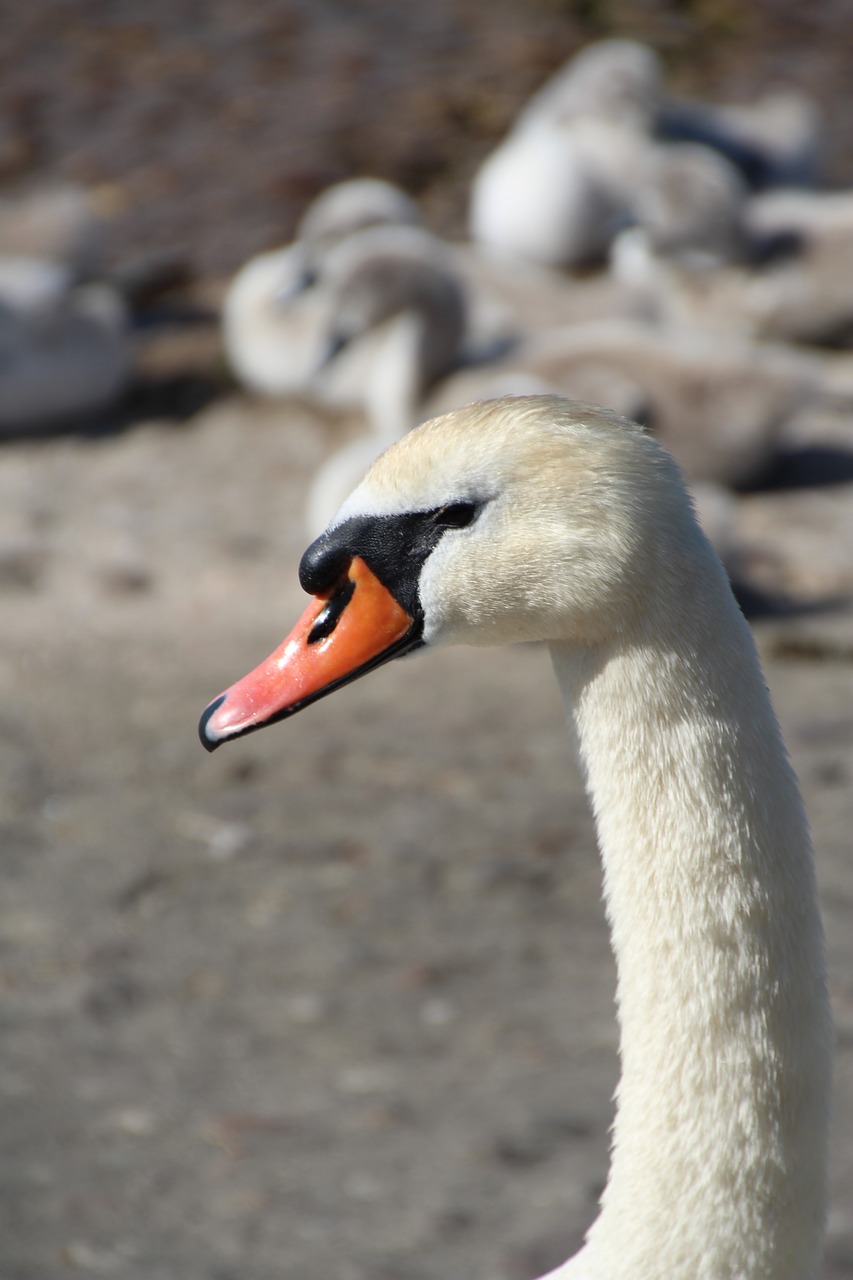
x=337 y=1001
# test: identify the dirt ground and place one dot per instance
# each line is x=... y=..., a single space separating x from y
x=338 y=1001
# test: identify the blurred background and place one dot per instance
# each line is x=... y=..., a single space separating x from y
x=339 y=1000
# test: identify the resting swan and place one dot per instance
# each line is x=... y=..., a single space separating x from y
x=542 y=519
x=558 y=187
x=65 y=350
x=273 y=315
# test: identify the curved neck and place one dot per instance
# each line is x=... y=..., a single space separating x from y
x=395 y=381
x=718 y=1164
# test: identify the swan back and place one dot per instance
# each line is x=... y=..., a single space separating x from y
x=691 y=206
x=556 y=189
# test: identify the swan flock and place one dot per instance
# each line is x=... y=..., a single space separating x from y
x=537 y=518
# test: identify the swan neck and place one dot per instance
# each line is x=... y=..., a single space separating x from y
x=719 y=1140
x=395 y=382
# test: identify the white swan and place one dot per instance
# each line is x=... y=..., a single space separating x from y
x=273 y=319
x=611 y=79
x=557 y=188
x=352 y=205
x=538 y=519
x=557 y=194
x=395 y=295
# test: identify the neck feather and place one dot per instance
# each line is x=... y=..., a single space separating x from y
x=718 y=1166
x=395 y=383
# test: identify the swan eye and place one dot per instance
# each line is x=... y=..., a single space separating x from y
x=456 y=515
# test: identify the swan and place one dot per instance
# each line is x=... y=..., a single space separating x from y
x=556 y=194
x=803 y=296
x=612 y=79
x=690 y=205
x=542 y=519
x=395 y=293
x=272 y=317
x=793 y=285
x=559 y=185
x=65 y=350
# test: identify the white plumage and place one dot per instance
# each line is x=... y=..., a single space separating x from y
x=587 y=540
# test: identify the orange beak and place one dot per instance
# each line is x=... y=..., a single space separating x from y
x=342 y=634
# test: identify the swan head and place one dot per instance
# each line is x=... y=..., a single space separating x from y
x=343 y=210
x=612 y=79
x=353 y=205
x=379 y=274
x=529 y=518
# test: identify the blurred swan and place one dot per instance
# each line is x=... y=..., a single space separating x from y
x=346 y=207
x=273 y=315
x=581 y=162
x=691 y=204
x=806 y=294
x=64 y=351
x=557 y=195
x=558 y=187
x=396 y=304
x=611 y=79
x=793 y=286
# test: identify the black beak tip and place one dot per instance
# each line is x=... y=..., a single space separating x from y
x=208 y=741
